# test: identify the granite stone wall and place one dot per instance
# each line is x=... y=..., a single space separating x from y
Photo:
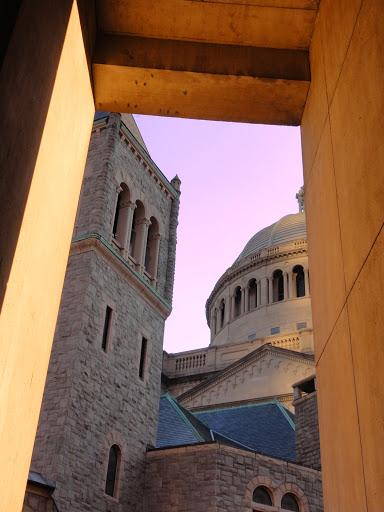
x=95 y=398
x=35 y=502
x=216 y=478
x=111 y=162
x=307 y=431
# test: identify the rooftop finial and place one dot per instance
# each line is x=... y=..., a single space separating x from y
x=300 y=198
x=176 y=182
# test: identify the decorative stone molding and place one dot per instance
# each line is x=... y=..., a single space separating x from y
x=145 y=160
x=253 y=262
x=295 y=490
x=246 y=367
x=95 y=242
x=256 y=482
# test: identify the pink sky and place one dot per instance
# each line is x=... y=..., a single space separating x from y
x=235 y=180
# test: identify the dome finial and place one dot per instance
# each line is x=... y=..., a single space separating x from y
x=300 y=198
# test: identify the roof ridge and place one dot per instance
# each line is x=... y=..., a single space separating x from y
x=172 y=401
x=285 y=413
x=245 y=406
x=232 y=440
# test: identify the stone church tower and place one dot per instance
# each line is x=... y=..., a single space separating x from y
x=101 y=399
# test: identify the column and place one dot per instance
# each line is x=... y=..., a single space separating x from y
x=141 y=242
x=263 y=291
x=285 y=288
x=258 y=296
x=242 y=305
x=290 y=285
x=306 y=281
x=246 y=299
x=47 y=109
x=124 y=226
x=270 y=288
x=154 y=243
x=232 y=310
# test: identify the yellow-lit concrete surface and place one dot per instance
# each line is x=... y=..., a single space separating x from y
x=46 y=116
x=46 y=104
x=335 y=373
x=269 y=24
x=343 y=154
x=232 y=61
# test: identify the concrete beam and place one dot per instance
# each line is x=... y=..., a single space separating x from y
x=274 y=24
x=200 y=80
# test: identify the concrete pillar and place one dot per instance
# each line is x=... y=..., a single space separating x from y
x=263 y=291
x=342 y=140
x=270 y=290
x=232 y=306
x=306 y=281
x=242 y=305
x=47 y=109
x=290 y=285
x=246 y=299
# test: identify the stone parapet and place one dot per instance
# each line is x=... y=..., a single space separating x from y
x=216 y=358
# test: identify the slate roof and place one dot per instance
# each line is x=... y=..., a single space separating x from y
x=177 y=426
x=265 y=427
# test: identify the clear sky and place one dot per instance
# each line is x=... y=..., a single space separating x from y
x=235 y=180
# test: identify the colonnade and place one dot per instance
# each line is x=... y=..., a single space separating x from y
x=264 y=297
x=138 y=239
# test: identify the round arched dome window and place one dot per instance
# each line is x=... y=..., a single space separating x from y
x=289 y=502
x=261 y=495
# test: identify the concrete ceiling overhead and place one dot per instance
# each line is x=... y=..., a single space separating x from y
x=233 y=60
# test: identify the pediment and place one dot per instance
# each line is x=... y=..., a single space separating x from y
x=266 y=372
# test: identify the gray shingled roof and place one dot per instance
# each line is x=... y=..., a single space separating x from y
x=265 y=427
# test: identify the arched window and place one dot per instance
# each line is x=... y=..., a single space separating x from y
x=120 y=223
x=262 y=495
x=252 y=294
x=113 y=469
x=289 y=502
x=214 y=320
x=135 y=243
x=237 y=301
x=278 y=286
x=152 y=248
x=222 y=313
x=299 y=280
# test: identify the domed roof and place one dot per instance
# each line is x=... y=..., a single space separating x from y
x=289 y=228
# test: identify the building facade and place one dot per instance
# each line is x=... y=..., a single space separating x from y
x=102 y=392
x=262 y=300
x=101 y=444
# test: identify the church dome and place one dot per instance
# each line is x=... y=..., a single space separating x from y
x=289 y=228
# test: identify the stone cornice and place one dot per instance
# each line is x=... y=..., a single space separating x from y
x=252 y=262
x=95 y=242
x=240 y=365
x=229 y=405
x=140 y=154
